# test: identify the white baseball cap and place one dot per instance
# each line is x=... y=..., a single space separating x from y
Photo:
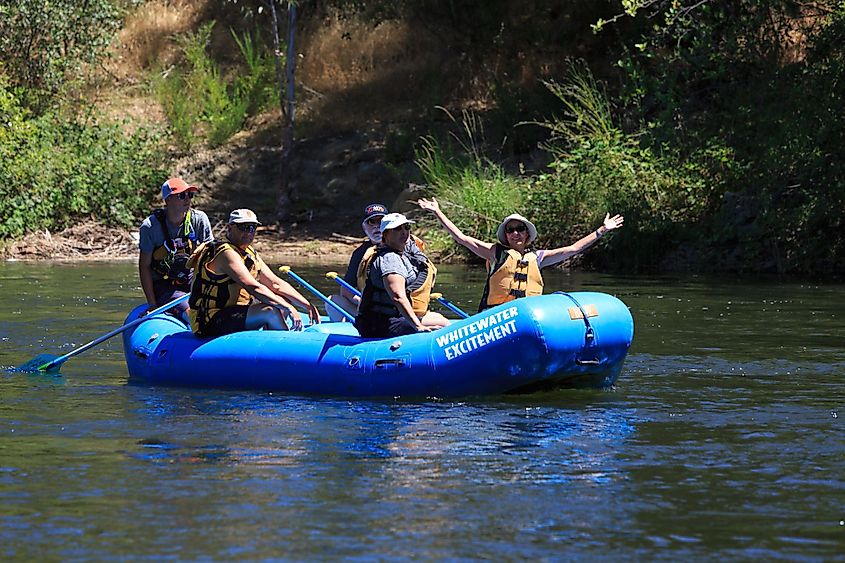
x=243 y=216
x=393 y=220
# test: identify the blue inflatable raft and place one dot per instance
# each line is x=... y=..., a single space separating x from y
x=530 y=344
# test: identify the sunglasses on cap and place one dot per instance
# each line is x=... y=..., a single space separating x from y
x=516 y=229
x=183 y=195
x=246 y=227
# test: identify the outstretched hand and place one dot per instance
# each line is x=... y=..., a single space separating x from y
x=614 y=222
x=428 y=204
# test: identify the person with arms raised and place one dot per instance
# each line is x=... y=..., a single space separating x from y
x=513 y=266
x=234 y=290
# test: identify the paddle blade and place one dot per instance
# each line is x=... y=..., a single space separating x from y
x=40 y=363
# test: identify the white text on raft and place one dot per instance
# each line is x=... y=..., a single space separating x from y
x=479 y=333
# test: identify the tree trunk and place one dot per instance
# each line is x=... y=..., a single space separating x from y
x=287 y=102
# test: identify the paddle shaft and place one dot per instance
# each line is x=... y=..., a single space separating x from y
x=454 y=308
x=443 y=301
x=62 y=359
x=317 y=292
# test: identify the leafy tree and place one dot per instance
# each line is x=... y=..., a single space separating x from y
x=42 y=42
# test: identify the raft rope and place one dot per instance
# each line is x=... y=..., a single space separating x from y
x=589 y=335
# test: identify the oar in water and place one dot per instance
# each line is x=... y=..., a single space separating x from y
x=317 y=292
x=51 y=363
x=439 y=296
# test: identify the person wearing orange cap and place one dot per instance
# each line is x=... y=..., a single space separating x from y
x=513 y=265
x=166 y=240
x=234 y=290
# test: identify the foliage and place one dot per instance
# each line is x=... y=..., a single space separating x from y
x=474 y=191
x=54 y=170
x=598 y=169
x=41 y=43
x=761 y=79
x=202 y=94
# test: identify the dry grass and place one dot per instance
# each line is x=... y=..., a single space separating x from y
x=146 y=40
x=351 y=72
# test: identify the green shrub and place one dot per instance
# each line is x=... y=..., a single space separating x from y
x=42 y=44
x=53 y=171
x=201 y=95
x=474 y=192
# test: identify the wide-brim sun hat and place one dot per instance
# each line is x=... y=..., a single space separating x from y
x=500 y=232
x=393 y=220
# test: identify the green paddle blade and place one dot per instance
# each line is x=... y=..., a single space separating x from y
x=38 y=363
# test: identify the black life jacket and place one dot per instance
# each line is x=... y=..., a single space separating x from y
x=377 y=300
x=171 y=258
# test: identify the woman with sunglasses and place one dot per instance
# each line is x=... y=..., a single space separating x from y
x=166 y=240
x=513 y=265
x=397 y=290
x=234 y=290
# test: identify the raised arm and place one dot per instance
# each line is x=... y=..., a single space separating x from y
x=479 y=248
x=557 y=255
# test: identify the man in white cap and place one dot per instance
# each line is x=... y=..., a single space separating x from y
x=166 y=240
x=234 y=290
x=513 y=266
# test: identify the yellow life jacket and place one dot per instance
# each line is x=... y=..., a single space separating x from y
x=370 y=253
x=212 y=292
x=377 y=299
x=170 y=259
x=420 y=296
x=510 y=276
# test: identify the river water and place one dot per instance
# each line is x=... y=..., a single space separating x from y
x=723 y=439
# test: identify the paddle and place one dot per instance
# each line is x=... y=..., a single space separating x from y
x=439 y=296
x=52 y=364
x=449 y=305
x=315 y=291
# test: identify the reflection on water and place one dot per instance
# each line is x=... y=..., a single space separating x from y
x=722 y=439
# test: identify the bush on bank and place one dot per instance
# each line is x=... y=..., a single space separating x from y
x=54 y=170
x=595 y=169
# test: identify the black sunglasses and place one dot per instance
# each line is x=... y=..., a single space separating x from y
x=516 y=229
x=246 y=227
x=183 y=195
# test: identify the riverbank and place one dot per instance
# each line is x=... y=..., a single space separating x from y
x=93 y=241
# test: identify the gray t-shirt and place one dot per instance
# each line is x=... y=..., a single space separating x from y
x=151 y=235
x=393 y=263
